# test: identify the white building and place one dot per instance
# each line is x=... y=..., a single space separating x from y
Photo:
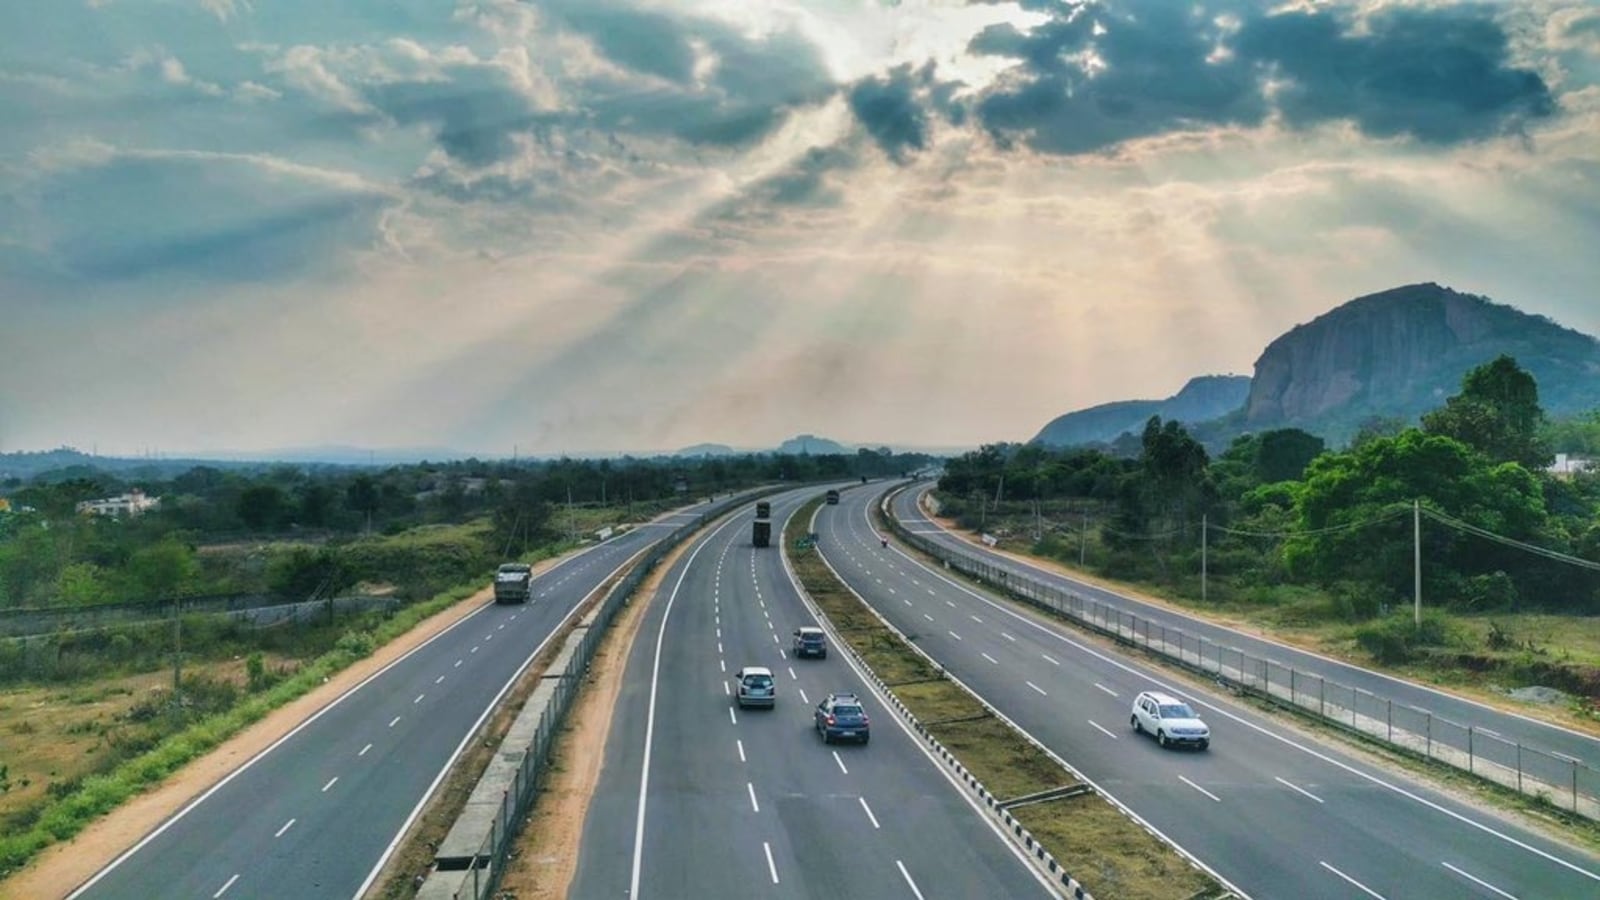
x=1566 y=466
x=130 y=504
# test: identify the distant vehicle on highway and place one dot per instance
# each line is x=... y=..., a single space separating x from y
x=760 y=533
x=809 y=640
x=763 y=509
x=1171 y=721
x=840 y=717
x=513 y=583
x=833 y=497
x=756 y=687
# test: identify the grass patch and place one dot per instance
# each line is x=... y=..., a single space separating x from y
x=1107 y=852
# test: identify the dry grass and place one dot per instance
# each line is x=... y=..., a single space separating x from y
x=1109 y=853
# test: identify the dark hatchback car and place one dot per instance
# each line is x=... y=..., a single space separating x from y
x=840 y=717
x=810 y=641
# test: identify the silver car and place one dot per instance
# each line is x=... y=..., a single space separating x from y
x=756 y=687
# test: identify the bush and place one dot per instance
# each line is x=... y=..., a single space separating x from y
x=1398 y=639
x=356 y=644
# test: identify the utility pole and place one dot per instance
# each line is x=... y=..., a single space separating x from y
x=1205 y=528
x=1416 y=560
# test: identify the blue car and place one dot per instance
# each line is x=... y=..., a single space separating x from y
x=839 y=717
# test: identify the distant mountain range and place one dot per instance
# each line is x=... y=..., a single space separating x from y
x=1394 y=354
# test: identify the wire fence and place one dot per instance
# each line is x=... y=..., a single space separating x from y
x=1553 y=777
x=482 y=878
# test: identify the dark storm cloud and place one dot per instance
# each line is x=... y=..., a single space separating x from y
x=894 y=108
x=1098 y=74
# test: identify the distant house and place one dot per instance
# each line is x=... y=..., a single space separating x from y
x=1567 y=466
x=130 y=504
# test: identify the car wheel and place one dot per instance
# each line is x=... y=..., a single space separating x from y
x=1137 y=728
x=1161 y=738
x=825 y=738
x=865 y=739
x=822 y=655
x=1205 y=745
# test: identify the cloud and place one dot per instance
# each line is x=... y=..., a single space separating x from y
x=1100 y=74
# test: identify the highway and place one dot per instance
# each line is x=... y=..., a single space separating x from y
x=1272 y=812
x=319 y=812
x=698 y=798
x=1555 y=739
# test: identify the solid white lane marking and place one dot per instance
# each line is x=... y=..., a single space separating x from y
x=1104 y=688
x=1037 y=688
x=1008 y=637
x=394 y=721
x=286 y=826
x=991 y=659
x=364 y=750
x=1050 y=659
x=1566 y=757
x=870 y=817
x=953 y=634
x=1197 y=787
x=752 y=788
x=1368 y=891
x=909 y=883
x=1478 y=881
x=840 y=762
x=740 y=745
x=1102 y=730
x=330 y=783
x=771 y=867
x=224 y=889
x=1299 y=790
x=803 y=698
x=731 y=717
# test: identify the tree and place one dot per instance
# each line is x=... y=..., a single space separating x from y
x=83 y=584
x=164 y=570
x=362 y=496
x=1496 y=413
x=1283 y=454
x=262 y=506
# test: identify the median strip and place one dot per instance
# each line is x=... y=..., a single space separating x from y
x=1076 y=831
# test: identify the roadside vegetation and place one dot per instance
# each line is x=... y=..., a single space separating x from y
x=1282 y=534
x=1109 y=854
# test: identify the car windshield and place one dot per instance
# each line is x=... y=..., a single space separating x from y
x=810 y=636
x=758 y=680
x=847 y=710
x=1176 y=711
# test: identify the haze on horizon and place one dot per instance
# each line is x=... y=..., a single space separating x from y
x=630 y=225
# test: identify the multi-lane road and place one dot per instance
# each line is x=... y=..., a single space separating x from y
x=1273 y=812
x=1553 y=739
x=320 y=811
x=698 y=798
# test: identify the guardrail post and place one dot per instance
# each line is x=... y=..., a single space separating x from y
x=1519 y=768
x=1469 y=751
x=1293 y=679
x=1390 y=718
x=1574 y=785
x=1430 y=735
x=1322 y=699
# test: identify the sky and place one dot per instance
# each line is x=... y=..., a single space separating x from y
x=567 y=226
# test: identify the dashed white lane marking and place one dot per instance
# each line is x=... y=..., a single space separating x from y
x=991 y=659
x=1104 y=688
x=907 y=876
x=724 y=664
x=286 y=826
x=1197 y=787
x=868 y=810
x=719 y=648
x=474 y=649
x=976 y=619
x=418 y=700
x=331 y=782
x=1478 y=881
x=931 y=592
x=775 y=640
x=840 y=762
x=502 y=626
x=1102 y=730
x=1050 y=659
x=725 y=690
x=753 y=804
x=803 y=698
x=928 y=617
x=488 y=637
x=731 y=717
x=1300 y=790
x=771 y=867
x=1037 y=688
x=782 y=654
x=394 y=721
x=1008 y=637
x=906 y=602
x=740 y=745
x=792 y=675
x=224 y=889
x=364 y=750
x=1364 y=889
x=439 y=680
x=949 y=604
x=458 y=664
x=954 y=635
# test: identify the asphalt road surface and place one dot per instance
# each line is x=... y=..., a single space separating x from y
x=1274 y=813
x=698 y=798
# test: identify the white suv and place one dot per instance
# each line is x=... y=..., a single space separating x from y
x=756 y=687
x=1170 y=720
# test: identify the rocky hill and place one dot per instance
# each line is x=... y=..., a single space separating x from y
x=1401 y=352
x=1203 y=398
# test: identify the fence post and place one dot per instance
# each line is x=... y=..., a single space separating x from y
x=1391 y=720
x=1322 y=699
x=1519 y=768
x=1470 y=753
x=1574 y=785
x=1430 y=735
x=1293 y=686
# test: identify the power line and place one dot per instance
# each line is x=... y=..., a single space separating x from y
x=1394 y=513
x=1484 y=533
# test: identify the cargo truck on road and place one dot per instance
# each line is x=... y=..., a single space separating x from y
x=513 y=583
x=761 y=533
